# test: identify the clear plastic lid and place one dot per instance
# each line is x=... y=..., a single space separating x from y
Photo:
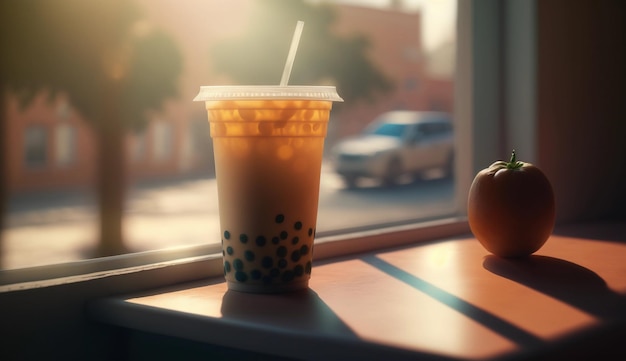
x=264 y=92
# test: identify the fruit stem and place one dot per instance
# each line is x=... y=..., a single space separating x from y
x=513 y=163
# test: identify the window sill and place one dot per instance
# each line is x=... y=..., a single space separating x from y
x=446 y=299
x=205 y=261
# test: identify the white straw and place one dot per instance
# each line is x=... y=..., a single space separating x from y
x=292 y=53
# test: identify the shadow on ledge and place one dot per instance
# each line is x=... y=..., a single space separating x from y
x=301 y=309
x=568 y=282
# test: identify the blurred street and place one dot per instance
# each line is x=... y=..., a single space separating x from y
x=59 y=227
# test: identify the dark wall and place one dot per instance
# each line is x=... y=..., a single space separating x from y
x=581 y=105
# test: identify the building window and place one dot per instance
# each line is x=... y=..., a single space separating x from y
x=35 y=146
x=65 y=144
x=412 y=54
x=411 y=83
x=162 y=145
x=138 y=147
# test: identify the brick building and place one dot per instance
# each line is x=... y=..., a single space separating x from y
x=51 y=146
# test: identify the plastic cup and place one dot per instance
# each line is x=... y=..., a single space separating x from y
x=268 y=144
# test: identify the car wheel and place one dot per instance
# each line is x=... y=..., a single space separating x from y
x=393 y=172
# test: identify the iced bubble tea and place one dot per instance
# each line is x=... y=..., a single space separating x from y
x=268 y=144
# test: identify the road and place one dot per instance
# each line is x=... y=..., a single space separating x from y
x=62 y=227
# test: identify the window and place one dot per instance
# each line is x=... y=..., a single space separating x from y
x=138 y=146
x=35 y=146
x=185 y=213
x=65 y=144
x=162 y=142
x=411 y=84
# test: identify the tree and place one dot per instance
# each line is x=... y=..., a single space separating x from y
x=109 y=62
x=259 y=55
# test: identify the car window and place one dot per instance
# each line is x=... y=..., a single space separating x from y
x=426 y=129
x=390 y=129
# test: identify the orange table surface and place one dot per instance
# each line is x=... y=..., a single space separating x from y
x=442 y=300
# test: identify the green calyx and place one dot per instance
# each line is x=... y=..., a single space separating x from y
x=512 y=164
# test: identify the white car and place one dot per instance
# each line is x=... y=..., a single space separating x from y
x=396 y=144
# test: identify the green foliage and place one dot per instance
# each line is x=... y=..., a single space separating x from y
x=151 y=78
x=82 y=48
x=258 y=57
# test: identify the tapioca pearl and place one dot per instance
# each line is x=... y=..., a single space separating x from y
x=241 y=276
x=226 y=235
x=249 y=255
x=260 y=241
x=267 y=280
x=298 y=270
x=308 y=267
x=284 y=235
x=274 y=272
x=227 y=267
x=230 y=250
x=243 y=238
x=280 y=218
x=275 y=240
x=256 y=274
x=295 y=255
x=282 y=263
x=281 y=251
x=310 y=232
x=287 y=276
x=297 y=225
x=295 y=240
x=304 y=250
x=238 y=264
x=267 y=262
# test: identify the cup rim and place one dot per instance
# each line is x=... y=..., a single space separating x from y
x=267 y=92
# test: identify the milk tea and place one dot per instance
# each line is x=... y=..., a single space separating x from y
x=268 y=157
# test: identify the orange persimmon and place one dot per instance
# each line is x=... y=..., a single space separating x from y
x=511 y=208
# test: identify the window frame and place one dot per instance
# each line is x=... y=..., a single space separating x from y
x=139 y=146
x=65 y=139
x=478 y=107
x=162 y=141
x=40 y=149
